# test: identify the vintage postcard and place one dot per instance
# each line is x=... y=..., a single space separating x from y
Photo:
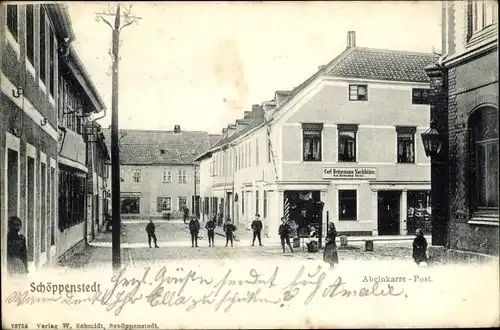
x=244 y=165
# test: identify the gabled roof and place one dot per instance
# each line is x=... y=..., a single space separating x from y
x=155 y=147
x=353 y=62
x=381 y=64
x=214 y=138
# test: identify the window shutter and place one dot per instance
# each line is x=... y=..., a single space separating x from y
x=158 y=204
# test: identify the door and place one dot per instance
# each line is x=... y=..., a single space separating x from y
x=388 y=212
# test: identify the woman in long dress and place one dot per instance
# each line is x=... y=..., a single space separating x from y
x=330 y=254
x=17 y=254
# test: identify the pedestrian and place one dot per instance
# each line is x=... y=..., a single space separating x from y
x=257 y=228
x=229 y=229
x=312 y=245
x=194 y=229
x=186 y=214
x=150 y=229
x=330 y=254
x=17 y=253
x=420 y=247
x=210 y=227
x=284 y=232
x=221 y=216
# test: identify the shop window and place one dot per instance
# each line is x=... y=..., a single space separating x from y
x=347 y=142
x=483 y=152
x=312 y=143
x=12 y=182
x=265 y=204
x=348 y=205
x=406 y=144
x=43 y=208
x=256 y=202
x=358 y=93
x=130 y=205
x=419 y=211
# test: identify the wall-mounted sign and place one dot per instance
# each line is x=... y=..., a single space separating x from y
x=367 y=173
x=130 y=194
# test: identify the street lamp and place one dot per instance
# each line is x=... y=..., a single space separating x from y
x=432 y=140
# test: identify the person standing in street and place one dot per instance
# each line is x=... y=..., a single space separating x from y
x=419 y=247
x=284 y=232
x=17 y=253
x=150 y=229
x=210 y=227
x=194 y=229
x=229 y=229
x=330 y=255
x=186 y=214
x=257 y=228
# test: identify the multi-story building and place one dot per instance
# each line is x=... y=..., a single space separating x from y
x=464 y=138
x=348 y=136
x=158 y=174
x=39 y=134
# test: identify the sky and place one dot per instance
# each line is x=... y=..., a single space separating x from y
x=200 y=65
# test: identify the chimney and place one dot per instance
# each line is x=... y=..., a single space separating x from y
x=256 y=107
x=240 y=124
x=351 y=39
x=247 y=114
x=224 y=132
x=177 y=129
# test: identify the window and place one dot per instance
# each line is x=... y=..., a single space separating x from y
x=182 y=203
x=406 y=144
x=483 y=148
x=242 y=202
x=136 y=177
x=257 y=151
x=311 y=137
x=197 y=176
x=165 y=204
x=265 y=204
x=256 y=201
x=420 y=96
x=130 y=205
x=347 y=205
x=52 y=60
x=43 y=73
x=43 y=207
x=249 y=153
x=122 y=176
x=182 y=176
x=347 y=142
x=358 y=93
x=12 y=16
x=167 y=176
x=269 y=150
x=481 y=14
x=30 y=31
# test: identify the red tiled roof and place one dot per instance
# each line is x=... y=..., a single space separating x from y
x=150 y=147
x=383 y=64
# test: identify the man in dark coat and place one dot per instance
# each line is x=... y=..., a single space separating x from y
x=229 y=229
x=17 y=253
x=194 y=229
x=284 y=232
x=210 y=227
x=257 y=228
x=150 y=229
x=419 y=247
x=186 y=214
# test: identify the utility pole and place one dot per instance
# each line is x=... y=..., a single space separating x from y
x=115 y=149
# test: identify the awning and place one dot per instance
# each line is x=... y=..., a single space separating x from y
x=73 y=164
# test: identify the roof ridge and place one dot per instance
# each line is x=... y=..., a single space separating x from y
x=383 y=50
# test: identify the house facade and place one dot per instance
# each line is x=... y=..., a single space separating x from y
x=157 y=172
x=39 y=145
x=348 y=137
x=464 y=110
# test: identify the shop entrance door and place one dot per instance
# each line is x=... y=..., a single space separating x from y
x=388 y=212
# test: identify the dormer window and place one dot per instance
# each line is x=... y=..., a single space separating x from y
x=163 y=151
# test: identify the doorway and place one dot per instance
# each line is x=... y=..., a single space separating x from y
x=389 y=212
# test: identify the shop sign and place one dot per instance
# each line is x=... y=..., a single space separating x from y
x=367 y=173
x=130 y=194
